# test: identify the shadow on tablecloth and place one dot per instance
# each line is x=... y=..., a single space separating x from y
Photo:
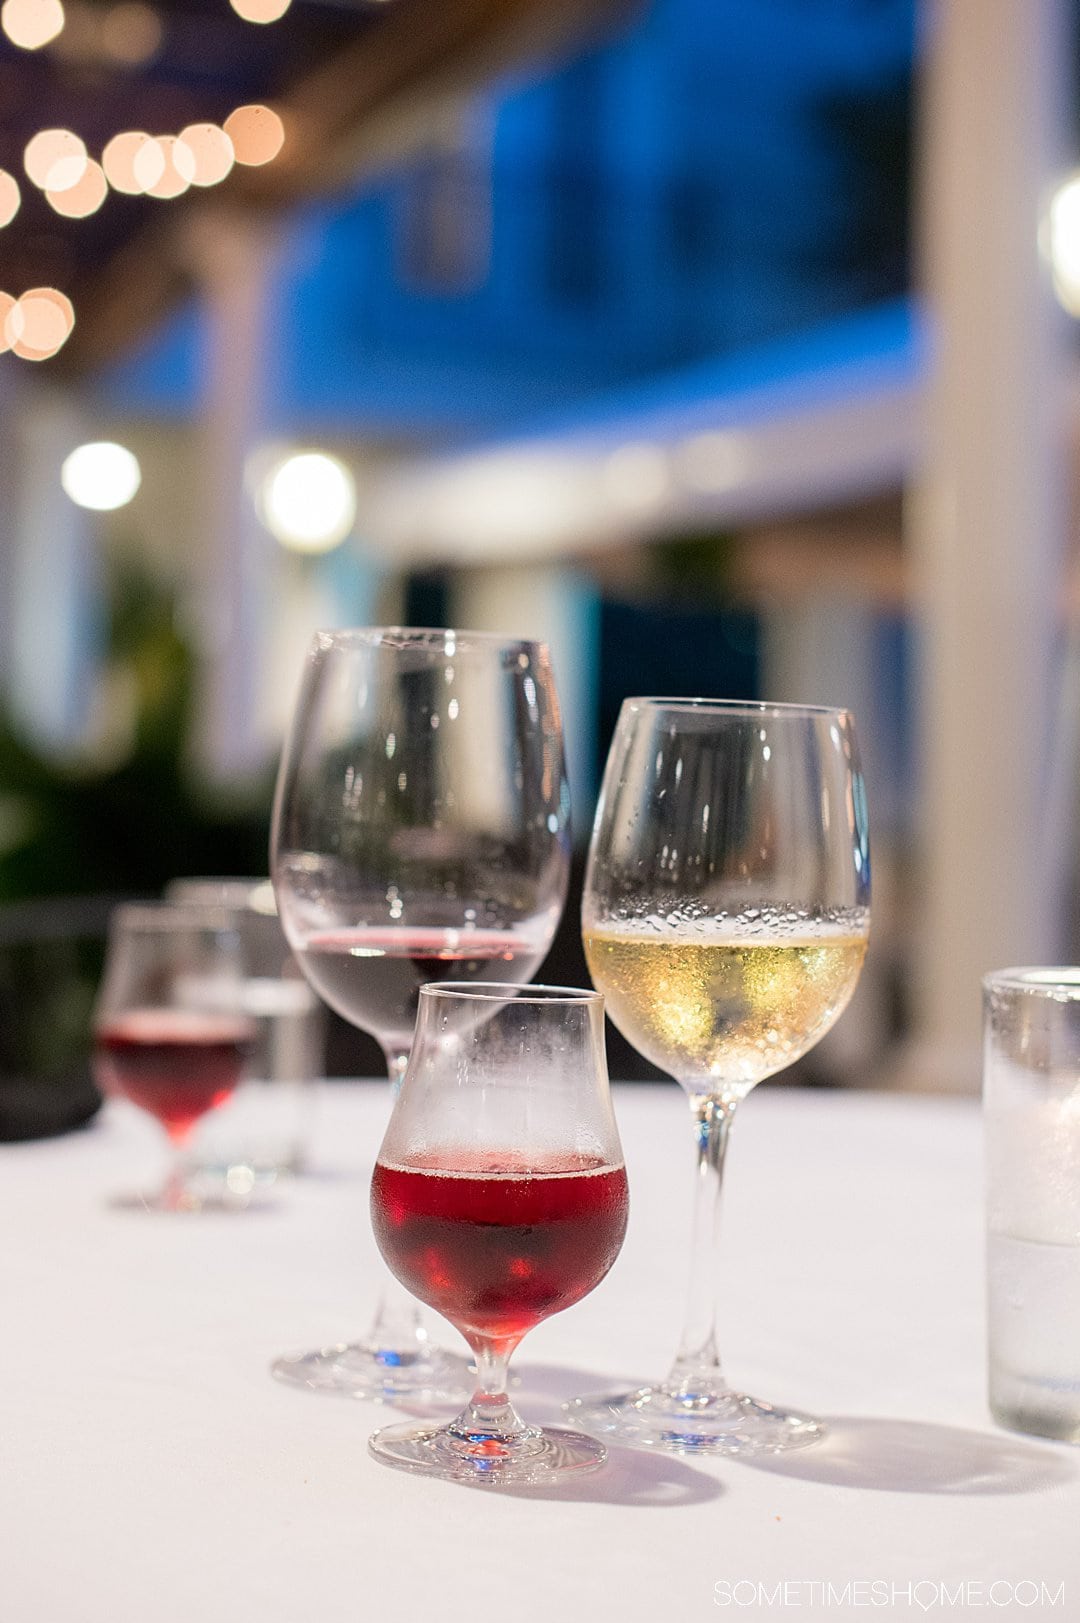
x=634 y=1477
x=916 y=1456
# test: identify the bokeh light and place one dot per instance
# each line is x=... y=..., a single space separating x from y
x=84 y=198
x=212 y=152
x=1065 y=243
x=132 y=161
x=101 y=476
x=256 y=132
x=39 y=323
x=7 y=305
x=178 y=168
x=31 y=23
x=260 y=11
x=10 y=197
x=308 y=501
x=636 y=477
x=713 y=460
x=55 y=160
x=131 y=33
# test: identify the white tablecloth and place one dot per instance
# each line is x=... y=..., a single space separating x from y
x=152 y=1472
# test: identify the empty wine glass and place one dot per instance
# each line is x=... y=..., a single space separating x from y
x=725 y=918
x=499 y=1197
x=170 y=1033
x=421 y=832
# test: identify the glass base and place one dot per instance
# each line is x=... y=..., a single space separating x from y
x=193 y=1198
x=537 y=1456
x=684 y=1422
x=360 y=1370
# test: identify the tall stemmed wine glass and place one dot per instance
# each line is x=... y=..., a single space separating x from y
x=420 y=833
x=725 y=919
x=499 y=1197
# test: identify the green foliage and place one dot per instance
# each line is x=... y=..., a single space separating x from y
x=130 y=825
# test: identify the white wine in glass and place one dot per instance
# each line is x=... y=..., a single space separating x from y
x=725 y=919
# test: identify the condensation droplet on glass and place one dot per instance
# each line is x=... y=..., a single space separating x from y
x=766 y=754
x=448 y=674
x=552 y=823
x=452 y=709
x=434 y=718
x=402 y=780
x=391 y=745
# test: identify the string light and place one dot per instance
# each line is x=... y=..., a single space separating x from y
x=256 y=132
x=55 y=160
x=212 y=153
x=84 y=198
x=119 y=161
x=260 y=11
x=39 y=323
x=31 y=24
x=10 y=198
x=7 y=305
x=178 y=167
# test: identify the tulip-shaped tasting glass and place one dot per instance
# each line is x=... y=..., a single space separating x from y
x=421 y=833
x=725 y=919
x=170 y=1031
x=499 y=1197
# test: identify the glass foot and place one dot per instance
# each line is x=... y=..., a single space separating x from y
x=539 y=1455
x=358 y=1370
x=686 y=1422
x=188 y=1199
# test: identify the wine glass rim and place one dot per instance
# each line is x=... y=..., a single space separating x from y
x=231 y=891
x=1060 y=982
x=435 y=637
x=154 y=914
x=510 y=992
x=736 y=707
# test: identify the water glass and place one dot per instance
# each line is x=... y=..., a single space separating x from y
x=1031 y=1110
x=265 y=1129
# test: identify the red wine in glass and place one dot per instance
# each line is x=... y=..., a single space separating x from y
x=372 y=976
x=175 y=1063
x=495 y=1249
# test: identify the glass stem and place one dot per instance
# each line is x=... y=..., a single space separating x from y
x=397 y=1335
x=697 y=1364
x=489 y=1423
x=176 y=1194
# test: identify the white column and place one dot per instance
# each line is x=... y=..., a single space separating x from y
x=51 y=573
x=233 y=258
x=823 y=650
x=987 y=522
x=547 y=603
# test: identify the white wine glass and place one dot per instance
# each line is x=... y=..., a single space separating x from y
x=725 y=918
x=420 y=833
